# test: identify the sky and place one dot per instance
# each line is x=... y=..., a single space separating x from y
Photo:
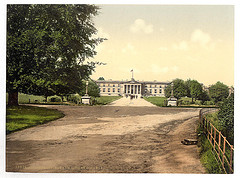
x=164 y=42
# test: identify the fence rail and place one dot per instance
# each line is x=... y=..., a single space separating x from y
x=221 y=148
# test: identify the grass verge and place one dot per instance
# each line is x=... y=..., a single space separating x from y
x=21 y=117
x=158 y=101
x=103 y=100
x=207 y=157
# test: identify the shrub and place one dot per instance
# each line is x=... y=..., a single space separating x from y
x=55 y=99
x=226 y=118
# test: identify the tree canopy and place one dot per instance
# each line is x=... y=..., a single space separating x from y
x=218 y=92
x=48 y=47
x=194 y=89
x=179 y=89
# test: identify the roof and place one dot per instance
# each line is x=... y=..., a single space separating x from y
x=132 y=81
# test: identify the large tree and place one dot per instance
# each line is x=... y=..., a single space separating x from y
x=218 y=92
x=194 y=89
x=93 y=89
x=47 y=45
x=179 y=89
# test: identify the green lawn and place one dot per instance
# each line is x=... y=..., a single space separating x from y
x=21 y=117
x=182 y=102
x=103 y=100
x=158 y=101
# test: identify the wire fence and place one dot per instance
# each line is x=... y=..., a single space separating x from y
x=221 y=148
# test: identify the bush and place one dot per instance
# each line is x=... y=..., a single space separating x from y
x=74 y=98
x=209 y=103
x=226 y=118
x=55 y=99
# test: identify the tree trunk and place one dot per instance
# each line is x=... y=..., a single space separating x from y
x=13 y=98
x=192 y=100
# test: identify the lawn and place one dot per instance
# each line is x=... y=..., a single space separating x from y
x=21 y=117
x=103 y=100
x=182 y=102
x=158 y=101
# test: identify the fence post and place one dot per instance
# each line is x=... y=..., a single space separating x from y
x=214 y=139
x=231 y=159
x=224 y=144
x=211 y=133
x=219 y=144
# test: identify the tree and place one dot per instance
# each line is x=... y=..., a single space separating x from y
x=179 y=89
x=226 y=118
x=194 y=89
x=44 y=43
x=218 y=92
x=101 y=78
x=93 y=89
x=204 y=97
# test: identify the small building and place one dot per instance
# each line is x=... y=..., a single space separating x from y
x=131 y=87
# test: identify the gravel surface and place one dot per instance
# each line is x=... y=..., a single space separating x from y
x=109 y=139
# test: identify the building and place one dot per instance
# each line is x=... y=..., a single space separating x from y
x=132 y=87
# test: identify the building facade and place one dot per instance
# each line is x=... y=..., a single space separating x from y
x=132 y=87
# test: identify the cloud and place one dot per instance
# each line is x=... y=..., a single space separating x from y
x=140 y=25
x=183 y=45
x=200 y=37
x=129 y=49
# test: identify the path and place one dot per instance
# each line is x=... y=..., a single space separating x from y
x=108 y=139
x=131 y=102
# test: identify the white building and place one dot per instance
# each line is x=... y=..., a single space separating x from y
x=132 y=87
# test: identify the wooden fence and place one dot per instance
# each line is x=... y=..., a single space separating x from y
x=221 y=148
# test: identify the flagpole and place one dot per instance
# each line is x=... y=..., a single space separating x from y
x=132 y=73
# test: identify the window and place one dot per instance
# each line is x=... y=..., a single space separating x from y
x=150 y=90
x=103 y=85
x=113 y=85
x=108 y=89
x=113 y=90
x=104 y=89
x=155 y=91
x=160 y=91
x=108 y=84
x=160 y=86
x=155 y=86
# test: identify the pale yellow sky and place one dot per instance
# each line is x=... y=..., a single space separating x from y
x=161 y=42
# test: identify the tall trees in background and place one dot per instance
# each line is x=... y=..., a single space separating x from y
x=179 y=89
x=48 y=47
x=192 y=88
x=218 y=92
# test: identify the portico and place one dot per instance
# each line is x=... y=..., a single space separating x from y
x=132 y=89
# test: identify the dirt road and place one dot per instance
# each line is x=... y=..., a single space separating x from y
x=109 y=139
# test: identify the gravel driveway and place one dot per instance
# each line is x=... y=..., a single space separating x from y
x=109 y=139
